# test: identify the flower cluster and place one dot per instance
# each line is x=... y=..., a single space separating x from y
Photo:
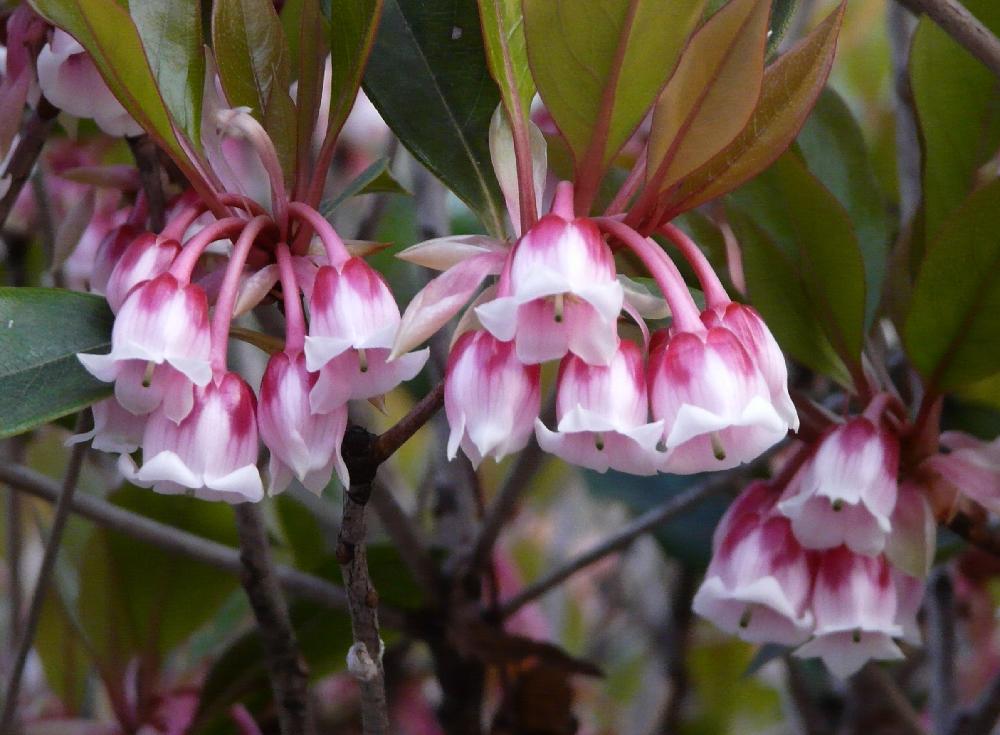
x=708 y=393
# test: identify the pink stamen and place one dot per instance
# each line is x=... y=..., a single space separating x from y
x=715 y=292
x=295 y=323
x=682 y=307
x=228 y=292
x=336 y=251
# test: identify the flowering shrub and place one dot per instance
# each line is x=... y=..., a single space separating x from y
x=677 y=273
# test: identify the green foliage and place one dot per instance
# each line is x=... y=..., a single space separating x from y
x=41 y=330
x=307 y=32
x=803 y=266
x=953 y=327
x=506 y=51
x=441 y=106
x=959 y=113
x=833 y=147
x=376 y=178
x=352 y=32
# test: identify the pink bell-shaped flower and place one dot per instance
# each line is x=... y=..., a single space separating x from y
x=145 y=258
x=115 y=429
x=856 y=605
x=603 y=414
x=160 y=344
x=972 y=466
x=302 y=443
x=846 y=492
x=715 y=406
x=490 y=397
x=757 y=340
x=759 y=581
x=353 y=324
x=211 y=454
x=559 y=293
x=70 y=81
x=109 y=252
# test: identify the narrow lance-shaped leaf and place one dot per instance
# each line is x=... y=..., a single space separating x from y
x=506 y=51
x=953 y=327
x=352 y=32
x=791 y=86
x=600 y=65
x=41 y=330
x=255 y=68
x=440 y=108
x=171 y=35
x=503 y=155
x=713 y=93
x=306 y=32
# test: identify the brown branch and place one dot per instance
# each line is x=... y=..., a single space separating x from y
x=146 y=156
x=364 y=660
x=405 y=538
x=286 y=669
x=875 y=687
x=956 y=20
x=181 y=542
x=385 y=445
x=617 y=541
x=976 y=530
x=61 y=515
x=940 y=608
x=979 y=718
x=29 y=147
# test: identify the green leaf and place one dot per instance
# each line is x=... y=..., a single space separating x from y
x=171 y=35
x=65 y=658
x=377 y=178
x=255 y=68
x=352 y=26
x=802 y=265
x=302 y=531
x=953 y=327
x=782 y=12
x=957 y=105
x=507 y=53
x=713 y=93
x=428 y=78
x=600 y=65
x=306 y=31
x=107 y=31
x=834 y=150
x=791 y=86
x=41 y=330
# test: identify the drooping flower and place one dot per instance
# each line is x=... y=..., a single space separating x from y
x=353 y=324
x=972 y=466
x=856 y=605
x=70 y=80
x=211 y=453
x=603 y=414
x=302 y=443
x=109 y=252
x=846 y=492
x=716 y=409
x=145 y=258
x=490 y=397
x=115 y=429
x=759 y=581
x=559 y=293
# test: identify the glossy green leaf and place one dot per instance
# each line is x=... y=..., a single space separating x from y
x=140 y=600
x=802 y=264
x=376 y=178
x=106 y=30
x=834 y=150
x=171 y=35
x=953 y=327
x=713 y=93
x=429 y=79
x=352 y=26
x=600 y=65
x=41 y=330
x=255 y=68
x=782 y=12
x=307 y=32
x=791 y=86
x=506 y=52
x=956 y=102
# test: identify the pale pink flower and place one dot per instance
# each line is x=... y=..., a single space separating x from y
x=603 y=414
x=972 y=466
x=353 y=323
x=846 y=492
x=115 y=429
x=146 y=257
x=490 y=397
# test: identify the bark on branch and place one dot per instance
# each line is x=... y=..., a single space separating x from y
x=955 y=19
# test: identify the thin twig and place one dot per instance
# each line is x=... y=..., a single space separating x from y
x=405 y=537
x=525 y=467
x=981 y=717
x=908 y=154
x=181 y=542
x=874 y=685
x=399 y=433
x=286 y=669
x=812 y=720
x=60 y=516
x=956 y=20
x=678 y=638
x=939 y=606
x=616 y=542
x=146 y=156
x=22 y=161
x=364 y=660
